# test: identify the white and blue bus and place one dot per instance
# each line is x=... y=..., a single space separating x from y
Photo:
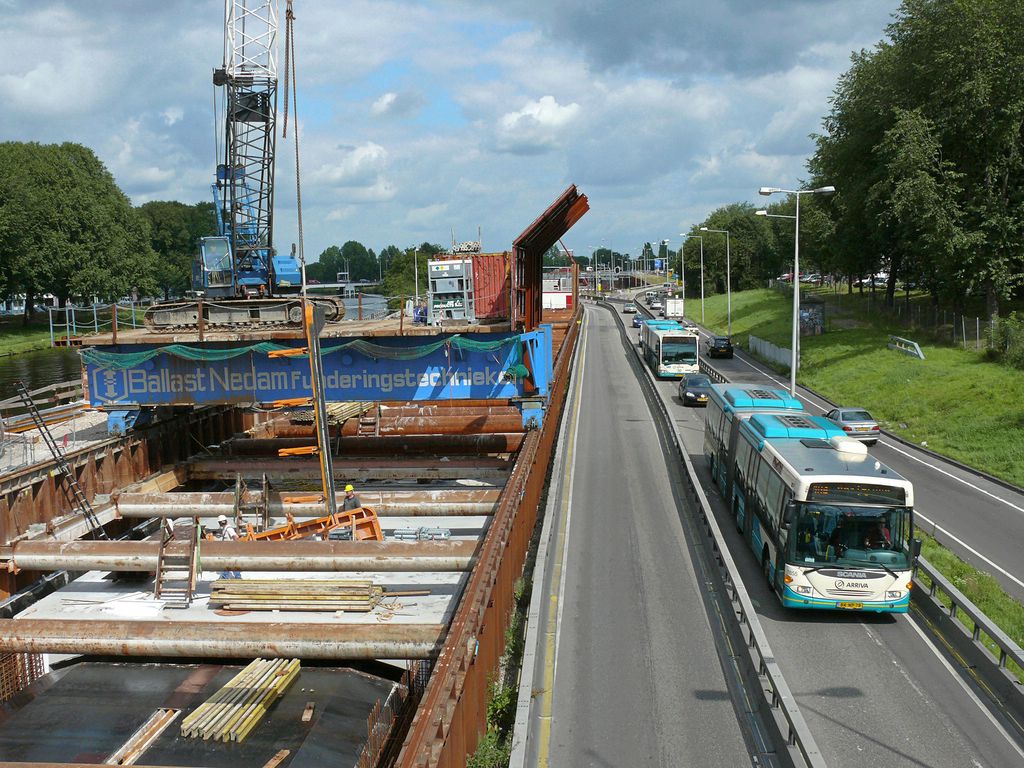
x=728 y=406
x=831 y=526
x=669 y=349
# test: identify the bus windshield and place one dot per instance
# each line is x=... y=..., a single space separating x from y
x=678 y=351
x=849 y=535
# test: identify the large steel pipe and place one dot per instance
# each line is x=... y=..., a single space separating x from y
x=484 y=469
x=209 y=639
x=391 y=445
x=404 y=503
x=339 y=556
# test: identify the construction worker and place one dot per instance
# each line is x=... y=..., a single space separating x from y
x=351 y=500
x=227 y=530
x=227 y=533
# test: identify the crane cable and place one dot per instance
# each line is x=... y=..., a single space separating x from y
x=290 y=79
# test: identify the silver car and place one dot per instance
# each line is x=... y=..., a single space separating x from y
x=857 y=423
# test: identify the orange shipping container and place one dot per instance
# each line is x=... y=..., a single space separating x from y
x=492 y=285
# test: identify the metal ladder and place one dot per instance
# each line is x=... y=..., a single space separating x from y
x=72 y=491
x=369 y=423
x=176 y=566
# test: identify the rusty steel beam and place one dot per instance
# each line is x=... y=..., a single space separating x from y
x=221 y=639
x=389 y=445
x=336 y=556
x=412 y=422
x=415 y=504
x=447 y=410
x=482 y=469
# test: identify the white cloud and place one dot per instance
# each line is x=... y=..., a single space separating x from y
x=172 y=115
x=355 y=166
x=537 y=127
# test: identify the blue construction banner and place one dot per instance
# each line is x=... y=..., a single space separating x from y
x=468 y=366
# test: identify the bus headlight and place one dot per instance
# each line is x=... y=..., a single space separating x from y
x=803 y=590
x=893 y=595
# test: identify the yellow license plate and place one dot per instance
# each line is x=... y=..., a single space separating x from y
x=851 y=606
x=863 y=429
x=702 y=397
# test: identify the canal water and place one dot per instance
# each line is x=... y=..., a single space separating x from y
x=53 y=366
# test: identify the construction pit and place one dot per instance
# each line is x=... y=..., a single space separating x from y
x=432 y=475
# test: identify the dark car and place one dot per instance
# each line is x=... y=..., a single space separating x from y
x=694 y=389
x=857 y=423
x=720 y=346
x=638 y=320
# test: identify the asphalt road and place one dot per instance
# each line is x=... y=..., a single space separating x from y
x=874 y=689
x=637 y=675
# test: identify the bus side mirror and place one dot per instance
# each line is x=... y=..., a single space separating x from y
x=916 y=548
x=788 y=514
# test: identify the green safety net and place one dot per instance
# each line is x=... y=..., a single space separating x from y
x=125 y=360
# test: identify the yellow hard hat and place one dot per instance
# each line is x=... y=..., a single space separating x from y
x=349 y=488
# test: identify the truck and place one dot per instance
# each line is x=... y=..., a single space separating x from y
x=674 y=308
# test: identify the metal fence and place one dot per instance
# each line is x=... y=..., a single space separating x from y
x=71 y=322
x=771 y=352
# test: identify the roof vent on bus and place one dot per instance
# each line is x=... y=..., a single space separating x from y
x=797 y=422
x=763 y=394
x=815 y=442
x=846 y=445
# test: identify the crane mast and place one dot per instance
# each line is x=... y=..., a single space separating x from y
x=244 y=187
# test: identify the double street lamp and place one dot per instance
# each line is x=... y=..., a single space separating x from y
x=682 y=256
x=766 y=191
x=728 y=277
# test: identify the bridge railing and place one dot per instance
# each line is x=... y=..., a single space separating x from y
x=986 y=648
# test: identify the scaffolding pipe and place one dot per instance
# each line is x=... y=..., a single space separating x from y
x=202 y=639
x=320 y=556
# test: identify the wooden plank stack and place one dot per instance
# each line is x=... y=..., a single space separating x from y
x=295 y=595
x=232 y=712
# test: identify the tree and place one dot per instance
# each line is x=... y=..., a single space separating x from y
x=945 y=92
x=67 y=227
x=400 y=279
x=174 y=232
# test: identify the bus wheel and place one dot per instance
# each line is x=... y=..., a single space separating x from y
x=766 y=568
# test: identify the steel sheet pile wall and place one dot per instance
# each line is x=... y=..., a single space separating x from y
x=453 y=712
x=33 y=496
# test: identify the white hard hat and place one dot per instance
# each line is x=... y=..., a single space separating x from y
x=222 y=519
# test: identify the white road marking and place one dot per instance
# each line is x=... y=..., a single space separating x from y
x=969 y=548
x=973 y=696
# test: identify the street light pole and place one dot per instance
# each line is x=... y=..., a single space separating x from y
x=794 y=354
x=728 y=278
x=701 y=238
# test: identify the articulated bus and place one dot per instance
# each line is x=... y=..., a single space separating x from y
x=728 y=406
x=669 y=348
x=832 y=527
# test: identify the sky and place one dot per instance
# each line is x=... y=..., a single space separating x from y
x=417 y=119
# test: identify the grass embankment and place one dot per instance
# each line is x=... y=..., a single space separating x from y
x=16 y=338
x=954 y=401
